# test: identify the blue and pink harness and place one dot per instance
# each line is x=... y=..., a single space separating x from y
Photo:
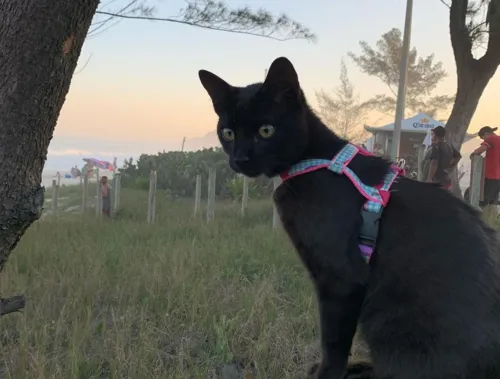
x=376 y=197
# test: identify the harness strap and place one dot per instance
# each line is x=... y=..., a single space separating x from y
x=376 y=197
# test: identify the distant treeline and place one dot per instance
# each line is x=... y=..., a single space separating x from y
x=177 y=170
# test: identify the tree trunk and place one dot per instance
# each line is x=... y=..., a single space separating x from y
x=473 y=74
x=471 y=85
x=40 y=42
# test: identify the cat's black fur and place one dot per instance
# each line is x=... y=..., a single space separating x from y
x=429 y=304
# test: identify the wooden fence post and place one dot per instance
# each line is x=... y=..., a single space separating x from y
x=54 y=196
x=197 y=196
x=152 y=197
x=244 y=197
x=58 y=179
x=98 y=197
x=85 y=186
x=276 y=218
x=211 y=194
x=476 y=180
x=116 y=197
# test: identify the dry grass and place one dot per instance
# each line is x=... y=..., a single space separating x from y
x=120 y=299
x=492 y=217
x=180 y=299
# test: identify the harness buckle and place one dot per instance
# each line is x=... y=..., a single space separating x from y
x=370 y=227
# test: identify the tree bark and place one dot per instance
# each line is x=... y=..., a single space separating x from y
x=470 y=87
x=40 y=42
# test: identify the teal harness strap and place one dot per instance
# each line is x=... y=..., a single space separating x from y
x=376 y=197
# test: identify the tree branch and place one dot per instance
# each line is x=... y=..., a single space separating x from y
x=84 y=65
x=223 y=22
x=460 y=38
x=133 y=7
x=491 y=59
x=12 y=304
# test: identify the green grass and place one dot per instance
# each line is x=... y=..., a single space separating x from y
x=180 y=299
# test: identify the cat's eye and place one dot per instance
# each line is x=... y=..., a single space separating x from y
x=227 y=134
x=266 y=131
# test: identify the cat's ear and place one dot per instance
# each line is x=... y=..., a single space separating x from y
x=218 y=89
x=282 y=80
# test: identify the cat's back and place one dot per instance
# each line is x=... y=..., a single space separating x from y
x=427 y=225
x=437 y=272
x=437 y=243
x=433 y=286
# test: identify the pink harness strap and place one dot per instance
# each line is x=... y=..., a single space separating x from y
x=376 y=197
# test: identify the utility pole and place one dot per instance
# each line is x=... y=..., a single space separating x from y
x=183 y=142
x=403 y=75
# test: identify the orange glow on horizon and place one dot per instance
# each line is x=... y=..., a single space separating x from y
x=170 y=115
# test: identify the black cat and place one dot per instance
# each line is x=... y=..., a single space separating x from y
x=428 y=302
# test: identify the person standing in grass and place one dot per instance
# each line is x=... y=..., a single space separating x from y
x=106 y=196
x=441 y=159
x=490 y=144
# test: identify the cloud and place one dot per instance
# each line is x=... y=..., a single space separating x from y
x=88 y=153
x=109 y=153
x=68 y=152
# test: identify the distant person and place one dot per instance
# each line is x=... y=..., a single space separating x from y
x=106 y=196
x=490 y=144
x=440 y=159
x=377 y=150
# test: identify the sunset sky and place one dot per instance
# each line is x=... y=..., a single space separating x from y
x=140 y=90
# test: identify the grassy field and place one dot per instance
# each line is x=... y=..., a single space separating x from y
x=117 y=298
x=179 y=299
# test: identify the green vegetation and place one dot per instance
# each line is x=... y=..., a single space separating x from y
x=180 y=299
x=177 y=174
x=117 y=298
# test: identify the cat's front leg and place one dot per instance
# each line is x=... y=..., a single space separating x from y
x=340 y=304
